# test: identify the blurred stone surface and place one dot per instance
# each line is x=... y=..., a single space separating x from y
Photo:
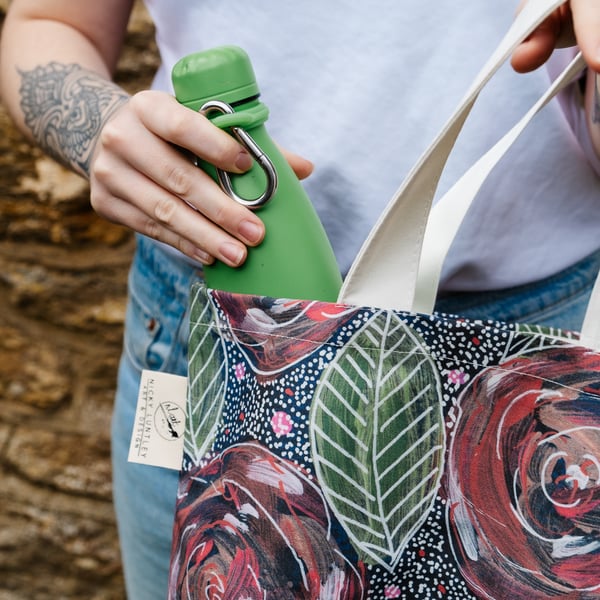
x=63 y=277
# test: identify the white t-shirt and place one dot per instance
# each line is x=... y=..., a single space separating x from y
x=361 y=89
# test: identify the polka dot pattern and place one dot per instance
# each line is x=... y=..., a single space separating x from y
x=252 y=402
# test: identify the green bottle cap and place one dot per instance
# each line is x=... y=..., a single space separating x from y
x=224 y=73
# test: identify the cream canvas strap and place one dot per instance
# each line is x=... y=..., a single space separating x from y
x=399 y=264
x=447 y=215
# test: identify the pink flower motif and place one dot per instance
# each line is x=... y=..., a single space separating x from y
x=240 y=371
x=282 y=423
x=392 y=591
x=457 y=377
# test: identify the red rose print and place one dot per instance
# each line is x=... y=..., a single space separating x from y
x=256 y=527
x=523 y=478
x=274 y=334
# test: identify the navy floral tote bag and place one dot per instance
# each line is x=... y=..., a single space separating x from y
x=343 y=452
x=374 y=449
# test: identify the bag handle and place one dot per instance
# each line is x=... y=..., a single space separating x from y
x=386 y=271
x=448 y=213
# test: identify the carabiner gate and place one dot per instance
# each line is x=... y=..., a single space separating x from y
x=257 y=154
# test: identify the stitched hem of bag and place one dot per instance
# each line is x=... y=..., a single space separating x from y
x=568 y=339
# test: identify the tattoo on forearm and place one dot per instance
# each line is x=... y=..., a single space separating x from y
x=65 y=107
x=596 y=100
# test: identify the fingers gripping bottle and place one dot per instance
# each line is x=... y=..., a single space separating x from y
x=295 y=259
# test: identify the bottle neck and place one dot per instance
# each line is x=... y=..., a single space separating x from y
x=250 y=101
x=248 y=114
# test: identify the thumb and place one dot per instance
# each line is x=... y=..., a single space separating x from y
x=300 y=165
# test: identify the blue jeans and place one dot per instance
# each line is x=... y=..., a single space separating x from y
x=156 y=338
x=557 y=301
x=156 y=328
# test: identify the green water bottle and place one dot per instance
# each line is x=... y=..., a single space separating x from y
x=295 y=259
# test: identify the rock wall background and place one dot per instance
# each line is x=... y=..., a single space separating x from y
x=62 y=300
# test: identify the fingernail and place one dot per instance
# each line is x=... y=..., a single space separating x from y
x=233 y=253
x=204 y=257
x=251 y=231
x=243 y=161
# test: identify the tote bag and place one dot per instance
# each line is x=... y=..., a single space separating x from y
x=374 y=449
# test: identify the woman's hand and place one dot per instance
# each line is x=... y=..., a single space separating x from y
x=575 y=22
x=135 y=150
x=141 y=179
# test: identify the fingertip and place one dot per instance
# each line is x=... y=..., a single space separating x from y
x=233 y=254
x=592 y=58
x=519 y=60
x=530 y=55
x=305 y=169
x=252 y=231
x=244 y=161
x=203 y=257
x=537 y=48
x=301 y=166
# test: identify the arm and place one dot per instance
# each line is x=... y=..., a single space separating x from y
x=56 y=62
x=56 y=75
x=576 y=22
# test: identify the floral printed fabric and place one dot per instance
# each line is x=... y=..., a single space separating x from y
x=342 y=452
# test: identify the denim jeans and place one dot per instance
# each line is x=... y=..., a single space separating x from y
x=557 y=301
x=156 y=338
x=156 y=327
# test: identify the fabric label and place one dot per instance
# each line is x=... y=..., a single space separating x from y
x=159 y=427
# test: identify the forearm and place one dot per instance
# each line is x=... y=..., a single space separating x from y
x=56 y=63
x=64 y=108
x=56 y=85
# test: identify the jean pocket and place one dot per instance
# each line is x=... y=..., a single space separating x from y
x=149 y=334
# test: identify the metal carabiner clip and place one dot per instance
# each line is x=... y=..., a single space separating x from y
x=261 y=158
